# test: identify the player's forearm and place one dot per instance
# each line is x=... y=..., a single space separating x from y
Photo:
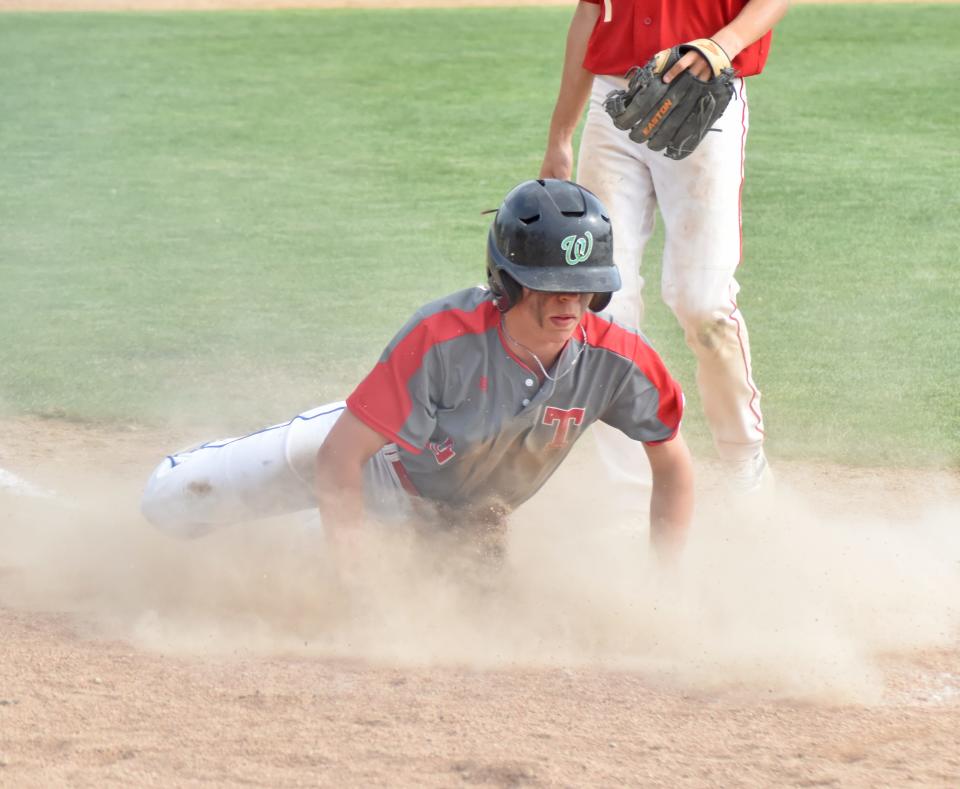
x=671 y=501
x=339 y=478
x=671 y=510
x=576 y=81
x=339 y=499
x=756 y=18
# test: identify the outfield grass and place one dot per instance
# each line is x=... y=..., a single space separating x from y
x=231 y=213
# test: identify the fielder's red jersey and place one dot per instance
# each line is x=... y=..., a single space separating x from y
x=629 y=32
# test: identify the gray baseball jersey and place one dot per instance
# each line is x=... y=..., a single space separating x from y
x=473 y=425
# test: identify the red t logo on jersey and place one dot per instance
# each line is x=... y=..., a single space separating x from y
x=562 y=417
x=442 y=452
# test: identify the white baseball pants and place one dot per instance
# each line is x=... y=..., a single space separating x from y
x=266 y=473
x=699 y=200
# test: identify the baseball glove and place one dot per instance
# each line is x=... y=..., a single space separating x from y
x=673 y=117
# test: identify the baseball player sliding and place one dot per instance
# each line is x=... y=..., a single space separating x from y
x=473 y=404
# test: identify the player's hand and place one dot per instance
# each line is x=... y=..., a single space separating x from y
x=558 y=162
x=349 y=549
x=694 y=62
x=697 y=63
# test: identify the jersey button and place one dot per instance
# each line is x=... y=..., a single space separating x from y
x=528 y=382
x=648 y=21
x=524 y=402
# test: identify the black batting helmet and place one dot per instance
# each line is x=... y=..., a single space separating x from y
x=551 y=236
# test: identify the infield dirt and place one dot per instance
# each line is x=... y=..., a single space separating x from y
x=813 y=641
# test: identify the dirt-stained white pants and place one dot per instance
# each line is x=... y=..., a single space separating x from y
x=265 y=473
x=699 y=200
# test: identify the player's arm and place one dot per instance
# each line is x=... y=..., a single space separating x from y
x=756 y=18
x=671 y=501
x=575 y=85
x=340 y=461
x=648 y=406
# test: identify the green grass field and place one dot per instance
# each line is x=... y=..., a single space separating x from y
x=231 y=213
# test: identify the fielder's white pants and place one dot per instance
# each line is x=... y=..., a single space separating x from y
x=265 y=473
x=699 y=200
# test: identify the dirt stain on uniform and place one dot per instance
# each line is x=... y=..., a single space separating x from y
x=713 y=333
x=200 y=488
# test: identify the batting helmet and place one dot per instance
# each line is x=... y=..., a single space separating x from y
x=551 y=236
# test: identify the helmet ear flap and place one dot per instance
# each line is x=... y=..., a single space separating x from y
x=505 y=289
x=600 y=301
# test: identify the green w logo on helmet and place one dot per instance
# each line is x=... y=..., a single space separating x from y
x=577 y=249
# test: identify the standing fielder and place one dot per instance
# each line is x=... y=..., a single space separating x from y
x=473 y=404
x=698 y=196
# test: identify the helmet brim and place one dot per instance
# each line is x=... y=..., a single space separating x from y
x=553 y=279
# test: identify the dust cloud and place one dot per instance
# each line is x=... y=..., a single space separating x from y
x=798 y=596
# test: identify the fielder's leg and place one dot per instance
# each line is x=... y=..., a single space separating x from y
x=699 y=199
x=268 y=472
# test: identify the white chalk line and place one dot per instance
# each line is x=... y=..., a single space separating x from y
x=21 y=487
x=18 y=486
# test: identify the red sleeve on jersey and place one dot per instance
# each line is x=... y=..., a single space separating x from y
x=383 y=400
x=603 y=333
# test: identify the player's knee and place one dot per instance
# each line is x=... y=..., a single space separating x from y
x=172 y=524
x=168 y=510
x=703 y=325
x=712 y=332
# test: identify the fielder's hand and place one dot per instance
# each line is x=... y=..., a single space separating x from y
x=558 y=162
x=673 y=115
